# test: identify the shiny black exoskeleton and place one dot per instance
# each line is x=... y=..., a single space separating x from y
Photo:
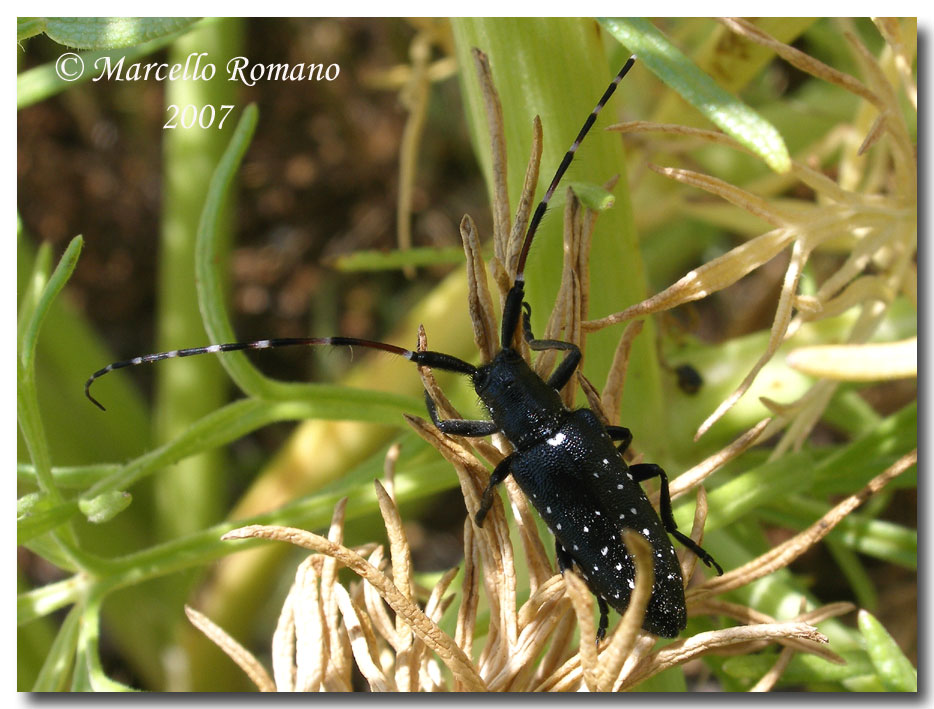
x=567 y=462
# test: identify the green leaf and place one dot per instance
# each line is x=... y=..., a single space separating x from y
x=104 y=32
x=58 y=663
x=395 y=260
x=669 y=64
x=894 y=670
x=37 y=514
x=56 y=282
x=105 y=507
x=592 y=196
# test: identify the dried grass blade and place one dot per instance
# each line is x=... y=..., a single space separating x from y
x=308 y=614
x=494 y=119
x=624 y=638
x=479 y=302
x=582 y=600
x=802 y=61
x=283 y=644
x=428 y=631
x=681 y=651
x=526 y=200
x=770 y=678
x=363 y=643
x=695 y=476
x=713 y=276
x=234 y=650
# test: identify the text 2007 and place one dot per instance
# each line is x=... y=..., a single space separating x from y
x=190 y=116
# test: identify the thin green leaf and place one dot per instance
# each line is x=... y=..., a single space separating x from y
x=697 y=88
x=396 y=259
x=211 y=294
x=61 y=658
x=803 y=669
x=241 y=417
x=894 y=670
x=47 y=599
x=56 y=282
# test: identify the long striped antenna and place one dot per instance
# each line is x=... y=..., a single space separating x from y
x=562 y=168
x=437 y=360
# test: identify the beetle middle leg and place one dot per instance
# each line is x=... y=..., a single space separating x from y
x=500 y=473
x=621 y=434
x=565 y=562
x=645 y=471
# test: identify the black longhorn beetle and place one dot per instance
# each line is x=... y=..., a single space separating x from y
x=567 y=463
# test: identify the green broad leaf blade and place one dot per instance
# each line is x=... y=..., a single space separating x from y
x=396 y=260
x=894 y=670
x=106 y=32
x=724 y=110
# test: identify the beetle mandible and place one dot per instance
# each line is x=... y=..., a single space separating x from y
x=567 y=462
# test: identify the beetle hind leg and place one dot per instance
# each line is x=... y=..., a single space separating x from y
x=604 y=618
x=644 y=471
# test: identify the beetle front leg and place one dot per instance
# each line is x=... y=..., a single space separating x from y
x=644 y=471
x=500 y=473
x=564 y=371
x=459 y=427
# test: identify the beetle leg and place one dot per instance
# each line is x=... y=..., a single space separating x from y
x=644 y=471
x=621 y=434
x=564 y=371
x=604 y=619
x=564 y=559
x=459 y=427
x=500 y=473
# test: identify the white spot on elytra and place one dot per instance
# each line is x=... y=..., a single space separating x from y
x=586 y=528
x=575 y=547
x=604 y=550
x=606 y=462
x=548 y=509
x=619 y=486
x=645 y=531
x=597 y=512
x=558 y=526
x=631 y=583
x=633 y=510
x=615 y=595
x=557 y=440
x=619 y=567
